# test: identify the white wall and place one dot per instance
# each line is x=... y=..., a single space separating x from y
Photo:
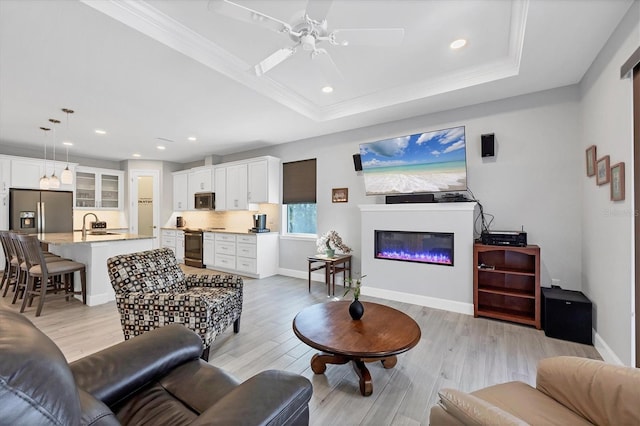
x=534 y=180
x=607 y=245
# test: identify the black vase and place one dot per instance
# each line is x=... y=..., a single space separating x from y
x=356 y=309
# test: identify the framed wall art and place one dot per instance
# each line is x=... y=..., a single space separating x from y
x=603 y=171
x=340 y=195
x=591 y=160
x=617 y=182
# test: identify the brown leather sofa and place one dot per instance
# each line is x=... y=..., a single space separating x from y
x=156 y=378
x=569 y=391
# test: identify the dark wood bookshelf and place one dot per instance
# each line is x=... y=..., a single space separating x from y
x=506 y=283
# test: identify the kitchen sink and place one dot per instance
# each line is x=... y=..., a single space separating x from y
x=102 y=233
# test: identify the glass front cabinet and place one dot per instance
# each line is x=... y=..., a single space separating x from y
x=99 y=188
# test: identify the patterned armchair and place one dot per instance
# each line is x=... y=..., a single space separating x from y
x=152 y=291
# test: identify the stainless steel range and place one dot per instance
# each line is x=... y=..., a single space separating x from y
x=193 y=246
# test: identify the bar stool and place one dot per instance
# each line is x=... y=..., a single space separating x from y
x=20 y=285
x=47 y=272
x=10 y=273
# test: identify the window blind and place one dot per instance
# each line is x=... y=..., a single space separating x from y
x=299 y=182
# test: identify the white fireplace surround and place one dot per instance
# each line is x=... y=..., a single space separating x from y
x=436 y=286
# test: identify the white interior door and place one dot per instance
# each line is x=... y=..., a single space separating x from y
x=144 y=204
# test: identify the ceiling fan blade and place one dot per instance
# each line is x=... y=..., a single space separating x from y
x=244 y=14
x=274 y=59
x=369 y=36
x=328 y=68
x=318 y=9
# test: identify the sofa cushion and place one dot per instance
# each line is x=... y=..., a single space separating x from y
x=602 y=393
x=151 y=271
x=223 y=303
x=471 y=410
x=529 y=405
x=179 y=397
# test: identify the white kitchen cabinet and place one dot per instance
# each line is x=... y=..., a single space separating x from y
x=26 y=173
x=168 y=239
x=200 y=180
x=174 y=240
x=225 y=251
x=4 y=212
x=5 y=175
x=181 y=190
x=208 y=249
x=237 y=187
x=263 y=180
x=220 y=187
x=180 y=246
x=101 y=189
x=253 y=255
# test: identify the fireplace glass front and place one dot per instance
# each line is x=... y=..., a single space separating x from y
x=421 y=247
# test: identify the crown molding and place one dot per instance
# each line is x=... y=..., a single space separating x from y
x=144 y=18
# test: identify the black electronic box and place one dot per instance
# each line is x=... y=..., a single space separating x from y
x=504 y=238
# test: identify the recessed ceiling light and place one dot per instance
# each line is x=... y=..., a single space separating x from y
x=327 y=89
x=67 y=143
x=135 y=155
x=192 y=138
x=457 y=44
x=101 y=132
x=161 y=147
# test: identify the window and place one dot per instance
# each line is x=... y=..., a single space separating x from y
x=299 y=196
x=301 y=218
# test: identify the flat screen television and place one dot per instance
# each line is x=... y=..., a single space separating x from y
x=420 y=163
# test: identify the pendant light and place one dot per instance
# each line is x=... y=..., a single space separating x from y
x=66 y=177
x=54 y=182
x=44 y=180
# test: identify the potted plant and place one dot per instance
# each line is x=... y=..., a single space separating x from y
x=356 y=309
x=329 y=242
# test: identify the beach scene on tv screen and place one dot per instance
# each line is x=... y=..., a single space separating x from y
x=424 y=162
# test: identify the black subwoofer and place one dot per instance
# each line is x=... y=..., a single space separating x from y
x=566 y=315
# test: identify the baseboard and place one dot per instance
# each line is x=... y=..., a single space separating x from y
x=607 y=354
x=415 y=299
x=99 y=299
x=304 y=275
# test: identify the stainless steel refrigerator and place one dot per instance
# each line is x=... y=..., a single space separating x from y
x=34 y=211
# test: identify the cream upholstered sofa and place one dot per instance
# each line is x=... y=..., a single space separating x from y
x=569 y=391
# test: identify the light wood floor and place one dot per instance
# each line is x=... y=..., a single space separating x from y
x=456 y=351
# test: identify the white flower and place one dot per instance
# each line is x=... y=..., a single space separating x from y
x=331 y=240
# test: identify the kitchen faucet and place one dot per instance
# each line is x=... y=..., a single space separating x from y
x=84 y=226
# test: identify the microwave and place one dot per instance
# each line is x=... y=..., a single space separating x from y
x=205 y=201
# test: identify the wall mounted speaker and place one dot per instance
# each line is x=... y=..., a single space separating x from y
x=357 y=162
x=488 y=145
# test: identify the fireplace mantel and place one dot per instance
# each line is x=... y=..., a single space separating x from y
x=432 y=285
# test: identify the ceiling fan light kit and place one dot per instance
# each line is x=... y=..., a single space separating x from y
x=308 y=32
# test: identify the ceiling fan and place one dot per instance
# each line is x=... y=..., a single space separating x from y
x=307 y=32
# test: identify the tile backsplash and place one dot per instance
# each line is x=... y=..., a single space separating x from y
x=115 y=219
x=231 y=220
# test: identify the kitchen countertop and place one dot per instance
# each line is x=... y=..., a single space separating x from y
x=76 y=238
x=220 y=231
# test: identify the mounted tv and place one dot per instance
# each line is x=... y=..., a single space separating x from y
x=424 y=162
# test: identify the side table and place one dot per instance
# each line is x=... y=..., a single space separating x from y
x=332 y=266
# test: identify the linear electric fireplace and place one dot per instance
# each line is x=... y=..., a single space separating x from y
x=421 y=247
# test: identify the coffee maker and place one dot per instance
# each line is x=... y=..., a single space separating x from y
x=259 y=223
x=180 y=222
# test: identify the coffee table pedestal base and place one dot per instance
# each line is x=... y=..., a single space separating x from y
x=320 y=360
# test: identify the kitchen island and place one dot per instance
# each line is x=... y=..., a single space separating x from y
x=93 y=251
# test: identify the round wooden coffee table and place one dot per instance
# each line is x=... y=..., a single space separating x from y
x=380 y=335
